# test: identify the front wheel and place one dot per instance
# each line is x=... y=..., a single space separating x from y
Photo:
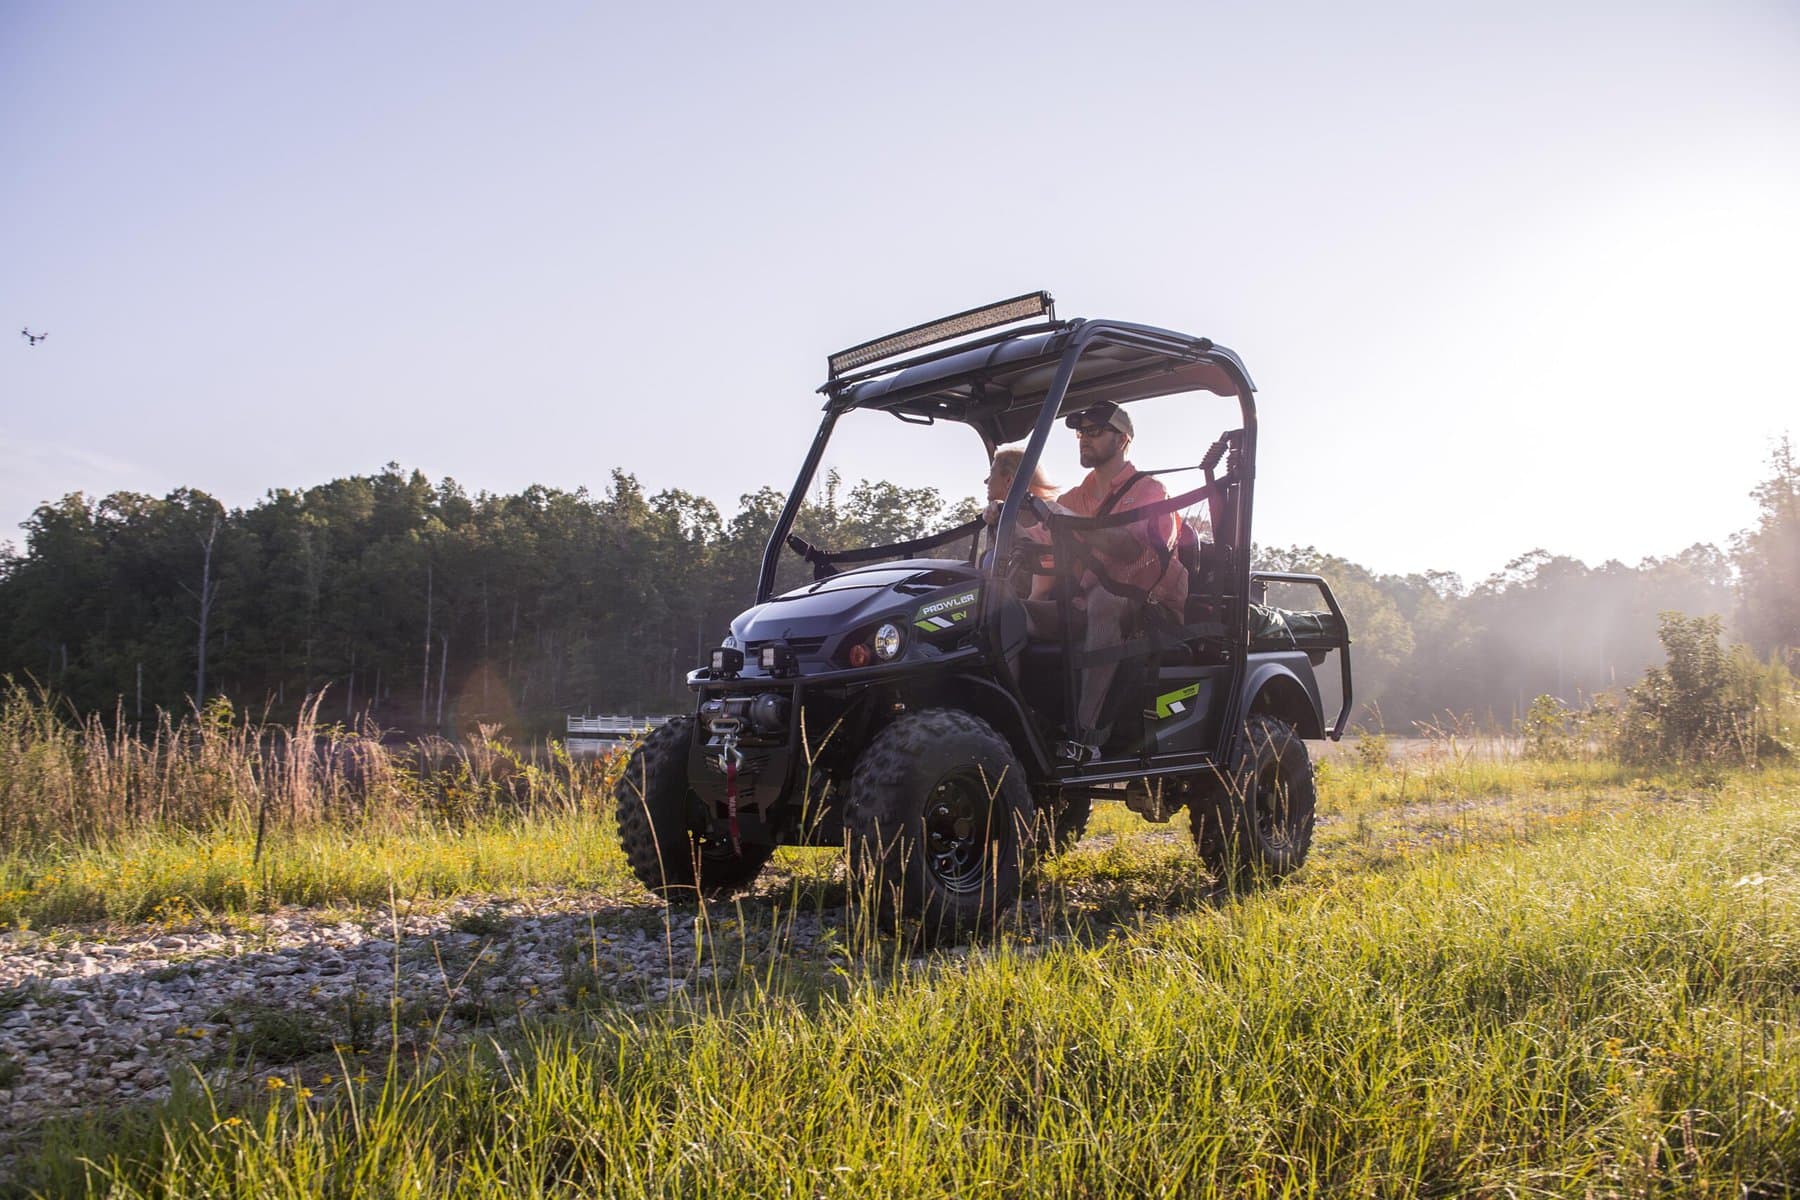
x=940 y=821
x=663 y=828
x=1257 y=823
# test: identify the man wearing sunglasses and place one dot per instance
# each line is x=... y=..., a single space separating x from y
x=1135 y=557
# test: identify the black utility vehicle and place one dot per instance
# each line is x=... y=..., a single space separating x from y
x=896 y=704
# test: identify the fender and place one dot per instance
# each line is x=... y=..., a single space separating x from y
x=1000 y=708
x=1272 y=685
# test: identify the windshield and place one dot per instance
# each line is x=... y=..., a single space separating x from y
x=886 y=482
x=882 y=482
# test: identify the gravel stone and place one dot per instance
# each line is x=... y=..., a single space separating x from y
x=109 y=1019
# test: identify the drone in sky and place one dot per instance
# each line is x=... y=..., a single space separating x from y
x=33 y=338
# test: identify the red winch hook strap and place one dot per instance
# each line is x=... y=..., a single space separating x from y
x=731 y=798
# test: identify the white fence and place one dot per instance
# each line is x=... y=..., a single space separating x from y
x=613 y=724
x=592 y=736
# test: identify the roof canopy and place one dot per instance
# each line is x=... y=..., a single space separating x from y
x=999 y=387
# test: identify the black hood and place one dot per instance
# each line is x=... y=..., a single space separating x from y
x=816 y=619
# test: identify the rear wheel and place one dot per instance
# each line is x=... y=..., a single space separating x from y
x=940 y=822
x=1257 y=824
x=663 y=826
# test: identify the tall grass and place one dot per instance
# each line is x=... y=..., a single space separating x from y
x=219 y=812
x=215 y=815
x=1613 y=1009
x=177 y=878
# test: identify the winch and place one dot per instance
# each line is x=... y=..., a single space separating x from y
x=763 y=715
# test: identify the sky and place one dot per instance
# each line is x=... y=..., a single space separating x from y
x=1508 y=277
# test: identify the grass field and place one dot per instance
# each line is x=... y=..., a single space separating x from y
x=1493 y=978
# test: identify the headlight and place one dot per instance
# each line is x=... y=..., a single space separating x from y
x=887 y=642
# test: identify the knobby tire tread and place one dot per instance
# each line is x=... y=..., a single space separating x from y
x=650 y=805
x=883 y=811
x=1224 y=826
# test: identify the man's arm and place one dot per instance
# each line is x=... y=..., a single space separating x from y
x=1121 y=542
x=1127 y=543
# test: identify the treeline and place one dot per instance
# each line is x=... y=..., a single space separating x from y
x=1432 y=644
x=1547 y=625
x=427 y=608
x=411 y=602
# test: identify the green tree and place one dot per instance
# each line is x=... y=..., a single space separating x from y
x=1705 y=703
x=1768 y=560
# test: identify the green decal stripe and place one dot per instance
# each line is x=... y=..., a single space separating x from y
x=937 y=608
x=1168 y=698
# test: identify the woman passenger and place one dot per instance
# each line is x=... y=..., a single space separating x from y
x=1000 y=478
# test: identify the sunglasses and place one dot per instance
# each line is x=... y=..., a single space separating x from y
x=1093 y=431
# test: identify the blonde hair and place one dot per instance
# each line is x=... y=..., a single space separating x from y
x=1007 y=463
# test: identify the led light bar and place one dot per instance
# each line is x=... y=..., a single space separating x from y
x=727 y=661
x=1019 y=308
x=777 y=660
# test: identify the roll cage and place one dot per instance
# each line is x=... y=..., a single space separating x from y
x=1017 y=384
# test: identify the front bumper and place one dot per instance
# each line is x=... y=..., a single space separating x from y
x=778 y=763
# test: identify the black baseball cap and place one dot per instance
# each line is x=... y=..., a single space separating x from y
x=1105 y=413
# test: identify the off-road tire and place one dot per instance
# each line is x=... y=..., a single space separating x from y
x=662 y=828
x=940 y=822
x=1256 y=825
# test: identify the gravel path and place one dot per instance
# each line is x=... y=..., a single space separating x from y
x=90 y=1020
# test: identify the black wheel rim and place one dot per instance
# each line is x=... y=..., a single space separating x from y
x=1272 y=805
x=956 y=841
x=716 y=851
